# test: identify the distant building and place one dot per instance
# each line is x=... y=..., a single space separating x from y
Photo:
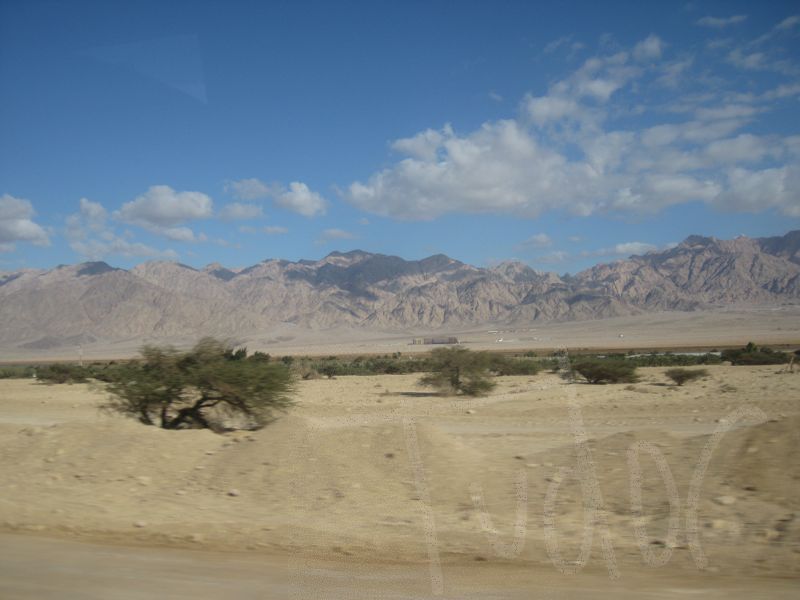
x=437 y=340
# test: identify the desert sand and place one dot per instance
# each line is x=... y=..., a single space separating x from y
x=376 y=472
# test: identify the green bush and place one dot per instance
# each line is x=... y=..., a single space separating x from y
x=606 y=371
x=681 y=376
x=502 y=365
x=17 y=372
x=753 y=355
x=210 y=386
x=457 y=370
x=63 y=373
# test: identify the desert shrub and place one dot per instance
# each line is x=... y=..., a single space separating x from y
x=606 y=371
x=329 y=369
x=63 y=373
x=206 y=387
x=375 y=365
x=17 y=372
x=503 y=365
x=753 y=355
x=681 y=376
x=458 y=370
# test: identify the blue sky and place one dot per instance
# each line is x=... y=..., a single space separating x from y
x=558 y=134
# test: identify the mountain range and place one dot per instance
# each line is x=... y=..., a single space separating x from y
x=94 y=302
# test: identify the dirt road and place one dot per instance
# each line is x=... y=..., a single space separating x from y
x=43 y=568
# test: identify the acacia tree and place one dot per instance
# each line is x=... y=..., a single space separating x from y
x=206 y=387
x=459 y=370
x=606 y=371
x=681 y=376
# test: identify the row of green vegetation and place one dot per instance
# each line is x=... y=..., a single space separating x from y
x=395 y=364
x=753 y=355
x=218 y=387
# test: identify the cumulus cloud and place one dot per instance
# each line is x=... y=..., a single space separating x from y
x=162 y=207
x=567 y=151
x=302 y=200
x=238 y=211
x=248 y=189
x=752 y=60
x=566 y=42
x=721 y=22
x=623 y=249
x=275 y=230
x=674 y=73
x=17 y=225
x=90 y=236
x=788 y=23
x=182 y=234
x=298 y=197
x=557 y=43
x=753 y=190
x=649 y=48
x=336 y=234
x=539 y=240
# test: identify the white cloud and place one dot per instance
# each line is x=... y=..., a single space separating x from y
x=89 y=235
x=95 y=249
x=628 y=248
x=788 y=23
x=557 y=43
x=539 y=240
x=424 y=145
x=238 y=211
x=249 y=189
x=300 y=199
x=182 y=234
x=337 y=234
x=297 y=197
x=753 y=60
x=568 y=152
x=742 y=148
x=546 y=109
x=673 y=73
x=729 y=111
x=757 y=190
x=623 y=249
x=649 y=48
x=721 y=22
x=495 y=96
x=94 y=212
x=363 y=221
x=162 y=207
x=17 y=225
x=269 y=229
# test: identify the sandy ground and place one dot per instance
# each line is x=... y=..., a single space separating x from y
x=371 y=483
x=701 y=329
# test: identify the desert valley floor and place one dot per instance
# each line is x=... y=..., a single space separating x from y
x=372 y=487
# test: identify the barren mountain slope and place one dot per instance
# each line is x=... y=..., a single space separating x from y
x=161 y=300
